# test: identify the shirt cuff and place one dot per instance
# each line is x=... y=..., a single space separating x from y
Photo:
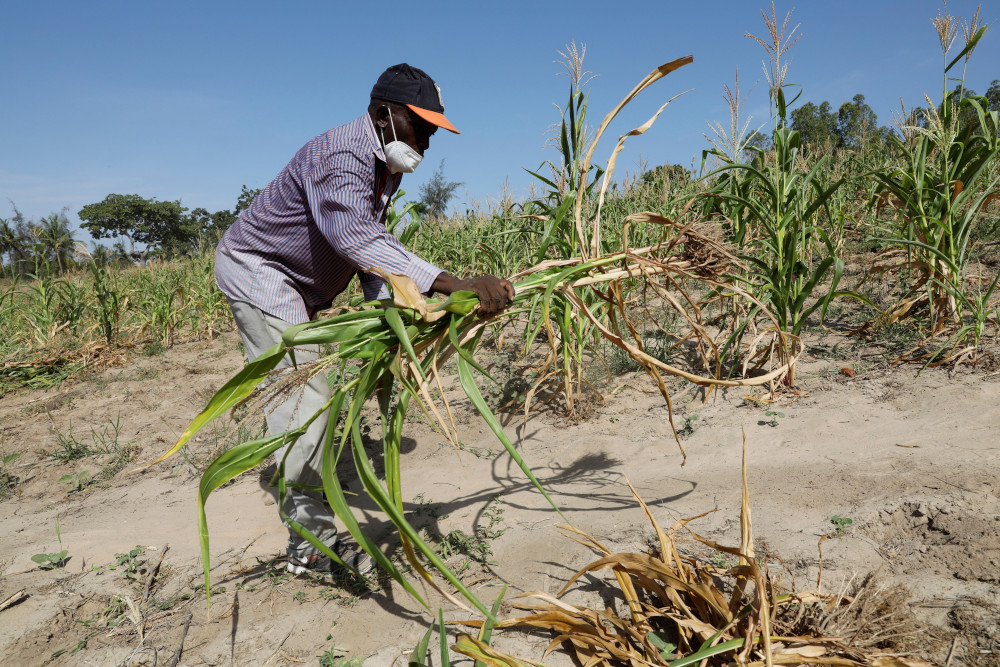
x=422 y=273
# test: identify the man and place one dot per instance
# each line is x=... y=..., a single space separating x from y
x=316 y=225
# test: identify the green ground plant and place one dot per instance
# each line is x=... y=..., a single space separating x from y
x=840 y=523
x=775 y=416
x=77 y=481
x=687 y=429
x=52 y=561
x=130 y=563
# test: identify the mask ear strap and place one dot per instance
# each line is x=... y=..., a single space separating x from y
x=393 y=128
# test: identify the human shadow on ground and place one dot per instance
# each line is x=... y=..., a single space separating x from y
x=591 y=483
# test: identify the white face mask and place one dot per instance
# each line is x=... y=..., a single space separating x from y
x=400 y=157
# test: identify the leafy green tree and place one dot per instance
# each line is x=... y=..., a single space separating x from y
x=10 y=242
x=816 y=125
x=760 y=141
x=157 y=224
x=857 y=123
x=437 y=192
x=100 y=254
x=212 y=225
x=993 y=95
x=247 y=195
x=16 y=241
x=666 y=172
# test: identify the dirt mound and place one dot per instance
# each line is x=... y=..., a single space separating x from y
x=957 y=536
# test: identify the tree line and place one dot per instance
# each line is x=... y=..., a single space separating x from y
x=854 y=124
x=141 y=228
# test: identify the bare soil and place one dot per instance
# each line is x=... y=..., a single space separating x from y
x=912 y=459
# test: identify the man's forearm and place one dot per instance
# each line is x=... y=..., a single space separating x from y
x=446 y=283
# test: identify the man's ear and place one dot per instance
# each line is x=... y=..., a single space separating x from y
x=382 y=116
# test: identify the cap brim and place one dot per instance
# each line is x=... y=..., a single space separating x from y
x=434 y=118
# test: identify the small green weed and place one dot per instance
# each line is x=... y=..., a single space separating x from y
x=775 y=415
x=840 y=523
x=102 y=440
x=54 y=560
x=154 y=349
x=129 y=563
x=82 y=644
x=721 y=561
x=689 y=425
x=335 y=658
x=164 y=605
x=77 y=481
x=68 y=448
x=114 y=613
x=476 y=547
x=662 y=643
x=478 y=452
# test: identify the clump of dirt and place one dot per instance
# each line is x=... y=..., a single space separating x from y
x=950 y=538
x=977 y=635
x=957 y=536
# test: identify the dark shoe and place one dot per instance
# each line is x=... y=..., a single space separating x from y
x=320 y=564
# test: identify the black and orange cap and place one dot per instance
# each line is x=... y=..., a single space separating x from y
x=405 y=84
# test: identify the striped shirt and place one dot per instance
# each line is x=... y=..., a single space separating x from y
x=320 y=221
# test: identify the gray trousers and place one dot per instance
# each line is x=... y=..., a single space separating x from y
x=260 y=332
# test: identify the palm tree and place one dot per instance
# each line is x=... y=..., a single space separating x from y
x=11 y=244
x=55 y=239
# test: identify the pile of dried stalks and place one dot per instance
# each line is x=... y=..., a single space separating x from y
x=678 y=612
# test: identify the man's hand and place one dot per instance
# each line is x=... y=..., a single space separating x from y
x=494 y=294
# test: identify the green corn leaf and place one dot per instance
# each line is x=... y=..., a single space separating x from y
x=969 y=45
x=395 y=323
x=460 y=302
x=472 y=391
x=238 y=388
x=378 y=493
x=419 y=656
x=338 y=503
x=445 y=658
x=710 y=651
x=335 y=332
x=472 y=647
x=231 y=463
x=486 y=632
x=543 y=179
x=465 y=352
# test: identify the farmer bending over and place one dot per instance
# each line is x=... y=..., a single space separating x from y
x=316 y=225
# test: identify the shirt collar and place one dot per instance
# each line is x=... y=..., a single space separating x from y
x=372 y=135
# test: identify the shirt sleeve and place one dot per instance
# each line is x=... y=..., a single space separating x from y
x=373 y=287
x=341 y=197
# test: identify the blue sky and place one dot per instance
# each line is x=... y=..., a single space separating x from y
x=189 y=101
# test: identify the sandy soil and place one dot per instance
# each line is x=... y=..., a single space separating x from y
x=911 y=459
